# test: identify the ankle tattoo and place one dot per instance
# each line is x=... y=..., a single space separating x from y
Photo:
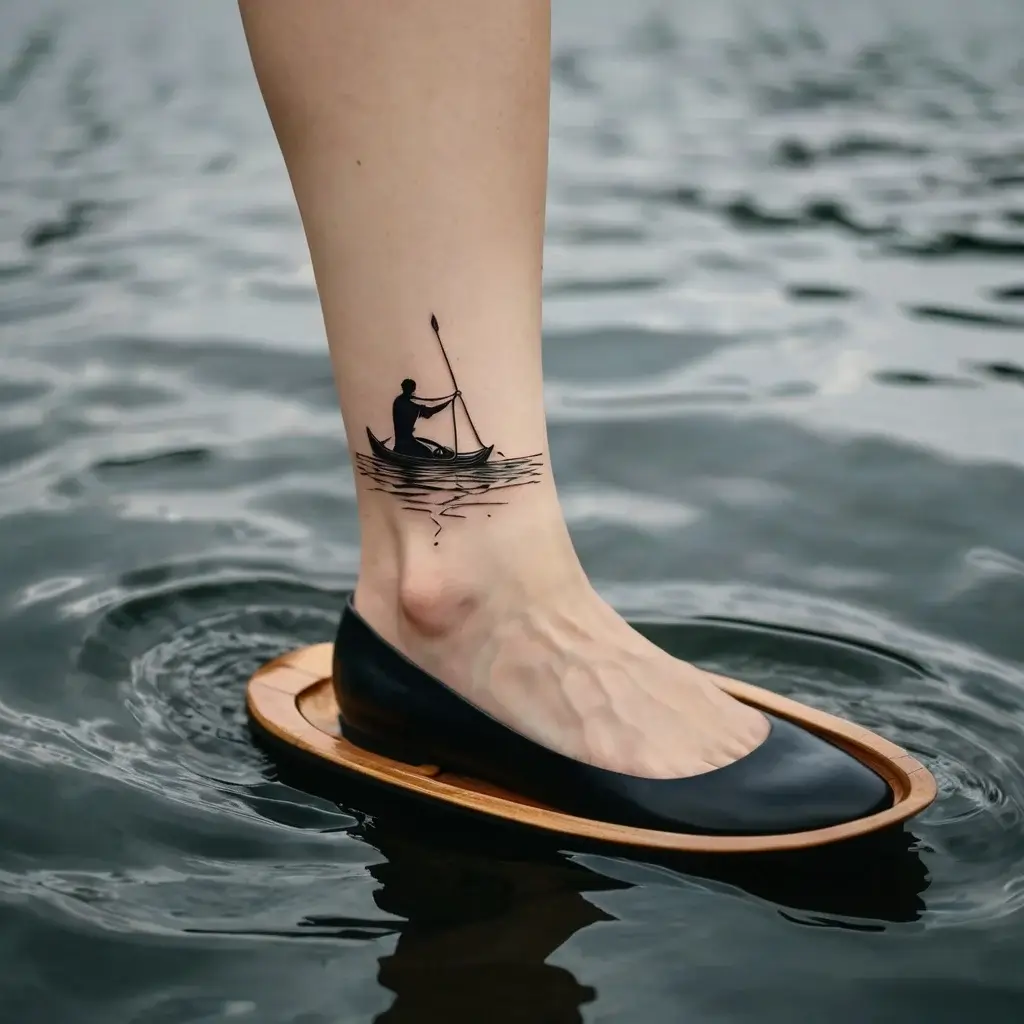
x=441 y=480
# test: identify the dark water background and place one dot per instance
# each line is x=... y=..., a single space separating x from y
x=785 y=366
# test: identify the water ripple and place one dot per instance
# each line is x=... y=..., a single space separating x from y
x=178 y=658
x=960 y=713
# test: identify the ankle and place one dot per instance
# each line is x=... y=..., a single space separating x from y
x=435 y=607
x=414 y=591
x=419 y=606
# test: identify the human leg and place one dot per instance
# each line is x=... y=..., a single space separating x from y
x=415 y=136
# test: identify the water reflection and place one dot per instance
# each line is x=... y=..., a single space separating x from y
x=480 y=929
x=484 y=906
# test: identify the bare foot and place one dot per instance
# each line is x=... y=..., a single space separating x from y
x=559 y=665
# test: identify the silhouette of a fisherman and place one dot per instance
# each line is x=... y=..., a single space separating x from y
x=405 y=411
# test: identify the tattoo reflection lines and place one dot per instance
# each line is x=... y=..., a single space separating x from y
x=435 y=478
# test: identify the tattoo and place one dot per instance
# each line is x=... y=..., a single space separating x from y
x=439 y=479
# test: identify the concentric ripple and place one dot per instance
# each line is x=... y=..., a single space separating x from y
x=180 y=657
x=967 y=727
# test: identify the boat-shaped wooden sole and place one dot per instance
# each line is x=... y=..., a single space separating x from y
x=293 y=701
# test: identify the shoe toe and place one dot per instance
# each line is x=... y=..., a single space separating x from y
x=804 y=782
x=795 y=781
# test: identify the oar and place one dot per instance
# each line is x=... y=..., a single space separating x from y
x=451 y=372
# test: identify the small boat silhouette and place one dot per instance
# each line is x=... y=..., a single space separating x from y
x=443 y=456
x=440 y=455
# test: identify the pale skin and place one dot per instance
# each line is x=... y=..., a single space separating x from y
x=415 y=135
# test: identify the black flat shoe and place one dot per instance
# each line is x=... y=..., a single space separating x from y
x=795 y=781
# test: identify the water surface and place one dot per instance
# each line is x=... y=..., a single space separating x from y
x=784 y=344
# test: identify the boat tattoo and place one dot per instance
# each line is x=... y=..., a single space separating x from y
x=435 y=478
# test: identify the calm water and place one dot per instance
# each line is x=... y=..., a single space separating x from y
x=785 y=366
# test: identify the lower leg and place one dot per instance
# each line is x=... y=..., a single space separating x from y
x=415 y=137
